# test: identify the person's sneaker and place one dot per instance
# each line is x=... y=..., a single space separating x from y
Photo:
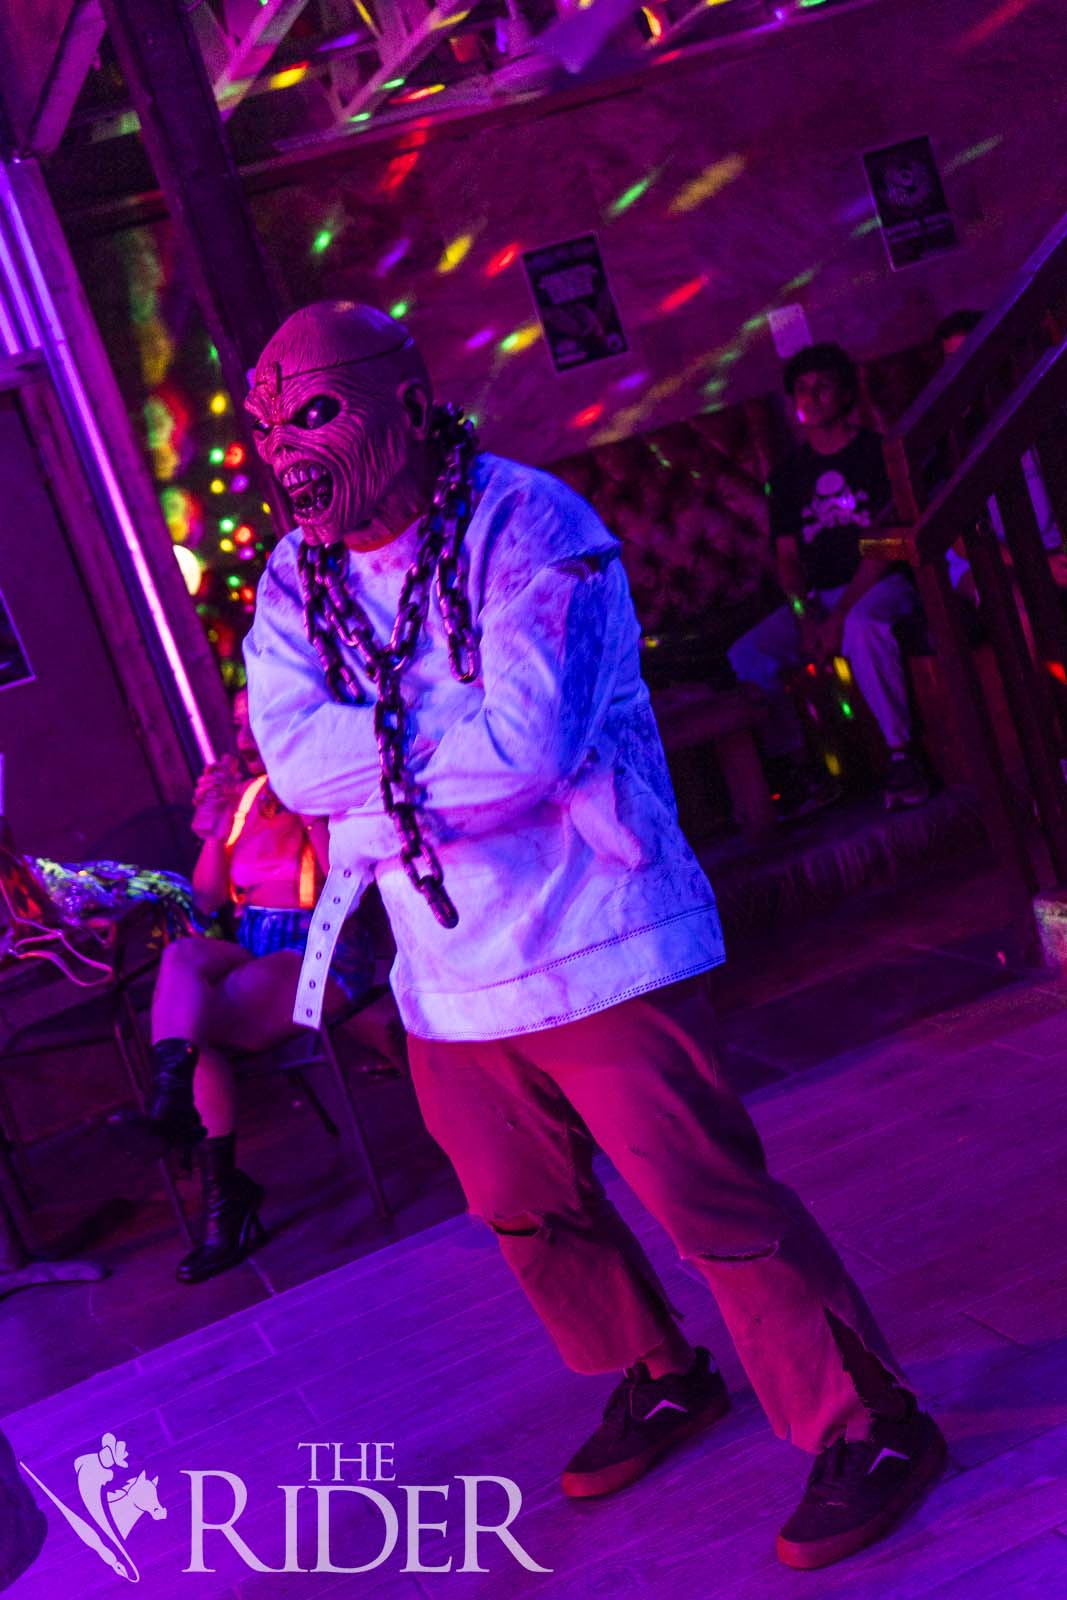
x=858 y=1491
x=907 y=783
x=804 y=790
x=644 y=1418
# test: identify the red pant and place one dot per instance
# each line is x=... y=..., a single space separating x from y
x=520 y=1119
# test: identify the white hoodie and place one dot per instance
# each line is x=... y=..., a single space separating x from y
x=545 y=788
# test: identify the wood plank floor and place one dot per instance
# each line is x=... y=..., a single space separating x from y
x=936 y=1159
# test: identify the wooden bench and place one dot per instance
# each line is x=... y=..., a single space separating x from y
x=691 y=715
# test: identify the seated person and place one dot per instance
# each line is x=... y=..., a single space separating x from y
x=214 y=996
x=823 y=500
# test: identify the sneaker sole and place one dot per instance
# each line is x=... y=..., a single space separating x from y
x=588 y=1485
x=824 y=1552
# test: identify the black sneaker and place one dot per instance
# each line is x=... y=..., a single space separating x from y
x=857 y=1492
x=644 y=1418
x=805 y=790
x=907 y=783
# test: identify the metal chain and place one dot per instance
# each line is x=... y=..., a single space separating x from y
x=333 y=616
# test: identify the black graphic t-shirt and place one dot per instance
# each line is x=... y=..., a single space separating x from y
x=827 y=504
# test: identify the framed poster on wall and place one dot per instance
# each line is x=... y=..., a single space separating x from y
x=14 y=663
x=910 y=199
x=574 y=302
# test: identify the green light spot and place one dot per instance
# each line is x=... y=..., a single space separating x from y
x=361 y=116
x=798 y=605
x=752 y=324
x=234 y=581
x=510 y=342
x=217 y=456
x=227 y=525
x=394 y=83
x=212 y=353
x=321 y=241
x=846 y=709
x=631 y=196
x=870 y=226
x=400 y=309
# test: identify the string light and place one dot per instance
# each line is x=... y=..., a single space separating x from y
x=631 y=195
x=244 y=534
x=234 y=456
x=227 y=525
x=217 y=456
x=321 y=241
x=226 y=545
x=419 y=94
x=400 y=309
x=394 y=83
x=219 y=403
x=217 y=486
x=586 y=418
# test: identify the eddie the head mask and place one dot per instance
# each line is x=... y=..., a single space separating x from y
x=338 y=405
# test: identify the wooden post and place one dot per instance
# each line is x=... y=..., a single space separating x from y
x=165 y=74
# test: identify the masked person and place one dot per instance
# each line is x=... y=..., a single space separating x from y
x=214 y=997
x=444 y=661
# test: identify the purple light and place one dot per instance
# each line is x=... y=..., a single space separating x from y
x=239 y=482
x=61 y=361
x=477 y=340
x=391 y=257
x=633 y=380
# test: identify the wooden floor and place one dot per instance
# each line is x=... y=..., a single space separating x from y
x=935 y=1158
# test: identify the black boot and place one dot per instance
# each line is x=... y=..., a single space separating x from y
x=171 y=1121
x=230 y=1225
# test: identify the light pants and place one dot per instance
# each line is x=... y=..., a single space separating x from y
x=519 y=1119
x=770 y=649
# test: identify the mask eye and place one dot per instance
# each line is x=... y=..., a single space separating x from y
x=319 y=410
x=260 y=429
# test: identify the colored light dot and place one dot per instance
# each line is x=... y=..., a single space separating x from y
x=244 y=534
x=217 y=456
x=394 y=83
x=400 y=308
x=219 y=402
x=234 y=581
x=227 y=525
x=212 y=353
x=217 y=486
x=265 y=508
x=843 y=670
x=321 y=241
x=226 y=545
x=239 y=482
x=235 y=455
x=846 y=709
x=833 y=765
x=361 y=116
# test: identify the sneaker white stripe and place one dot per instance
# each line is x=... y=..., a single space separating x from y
x=883 y=1455
x=663 y=1405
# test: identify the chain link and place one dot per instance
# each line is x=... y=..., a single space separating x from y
x=333 y=616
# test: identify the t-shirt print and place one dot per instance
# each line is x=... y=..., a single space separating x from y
x=835 y=504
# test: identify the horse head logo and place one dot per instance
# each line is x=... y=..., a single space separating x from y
x=115 y=1503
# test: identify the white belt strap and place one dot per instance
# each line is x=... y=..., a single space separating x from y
x=339 y=893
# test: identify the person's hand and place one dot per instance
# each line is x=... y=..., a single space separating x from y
x=215 y=798
x=828 y=638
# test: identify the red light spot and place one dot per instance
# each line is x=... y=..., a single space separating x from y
x=991 y=24
x=1056 y=668
x=812 y=669
x=502 y=260
x=397 y=170
x=586 y=418
x=234 y=456
x=248 y=594
x=679 y=297
x=244 y=534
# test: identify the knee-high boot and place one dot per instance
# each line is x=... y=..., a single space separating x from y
x=171 y=1121
x=230 y=1225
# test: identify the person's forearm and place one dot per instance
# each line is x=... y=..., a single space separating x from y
x=211 y=877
